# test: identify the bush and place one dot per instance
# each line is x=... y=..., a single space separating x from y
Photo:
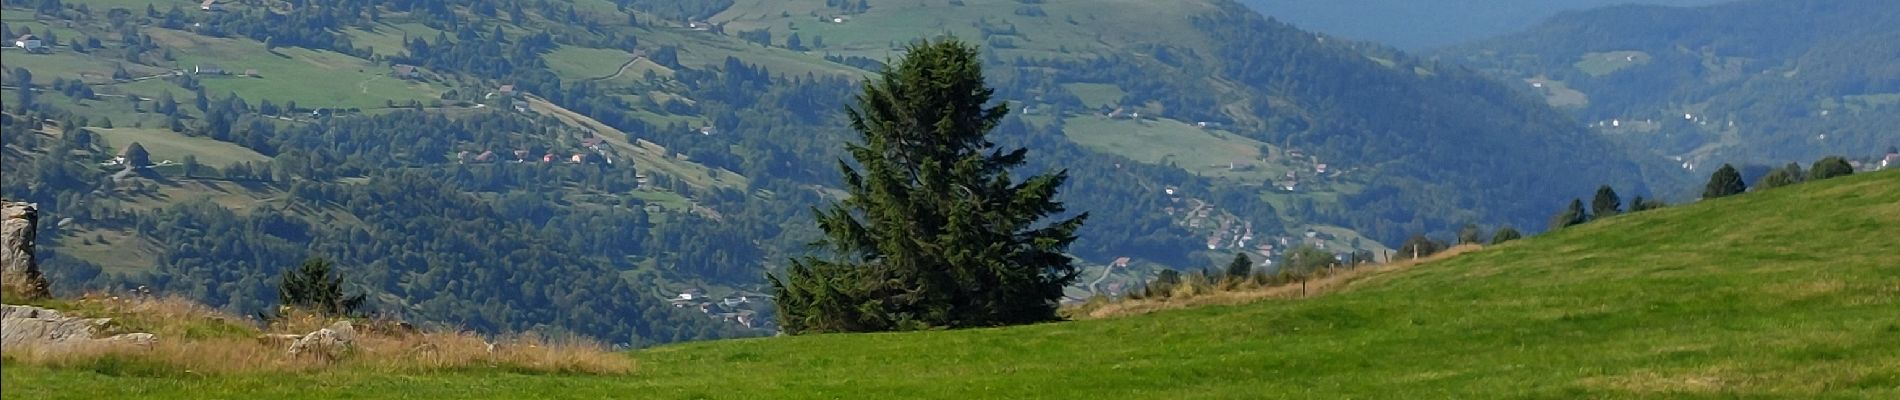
x=1830 y=167
x=1505 y=234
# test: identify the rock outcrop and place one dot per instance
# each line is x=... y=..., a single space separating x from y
x=331 y=342
x=33 y=327
x=18 y=222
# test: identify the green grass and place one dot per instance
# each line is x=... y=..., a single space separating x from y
x=312 y=78
x=139 y=5
x=1788 y=293
x=1600 y=64
x=1559 y=94
x=1097 y=94
x=64 y=63
x=116 y=251
x=164 y=144
x=1165 y=141
x=1070 y=24
x=581 y=63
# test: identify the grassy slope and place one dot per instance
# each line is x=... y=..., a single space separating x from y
x=1786 y=293
x=163 y=144
x=1205 y=152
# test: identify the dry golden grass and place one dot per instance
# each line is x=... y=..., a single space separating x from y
x=1198 y=295
x=18 y=287
x=197 y=340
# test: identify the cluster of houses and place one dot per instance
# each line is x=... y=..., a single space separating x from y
x=1291 y=182
x=735 y=308
x=598 y=156
x=1123 y=113
x=595 y=144
x=1880 y=163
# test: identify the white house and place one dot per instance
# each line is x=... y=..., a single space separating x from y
x=29 y=42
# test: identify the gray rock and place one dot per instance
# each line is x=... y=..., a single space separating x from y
x=27 y=326
x=18 y=223
x=13 y=311
x=331 y=342
x=135 y=339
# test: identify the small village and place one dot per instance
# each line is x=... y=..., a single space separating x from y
x=740 y=307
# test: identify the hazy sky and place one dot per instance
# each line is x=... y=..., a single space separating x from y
x=1425 y=24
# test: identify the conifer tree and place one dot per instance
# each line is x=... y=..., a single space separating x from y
x=935 y=232
x=1606 y=203
x=1723 y=183
x=1240 y=268
x=1571 y=216
x=315 y=286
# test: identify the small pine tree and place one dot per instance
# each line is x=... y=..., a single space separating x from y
x=1723 y=183
x=316 y=287
x=1606 y=203
x=1240 y=268
x=1571 y=216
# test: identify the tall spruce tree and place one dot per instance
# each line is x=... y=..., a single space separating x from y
x=1723 y=183
x=936 y=232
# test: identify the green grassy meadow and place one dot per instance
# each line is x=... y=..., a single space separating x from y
x=312 y=78
x=1600 y=64
x=1164 y=141
x=167 y=145
x=1787 y=293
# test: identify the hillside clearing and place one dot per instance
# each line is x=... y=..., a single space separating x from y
x=1169 y=142
x=167 y=145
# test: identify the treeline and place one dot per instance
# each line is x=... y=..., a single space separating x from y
x=1724 y=182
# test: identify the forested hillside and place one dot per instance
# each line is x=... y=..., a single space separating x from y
x=630 y=170
x=1751 y=82
x=1429 y=24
